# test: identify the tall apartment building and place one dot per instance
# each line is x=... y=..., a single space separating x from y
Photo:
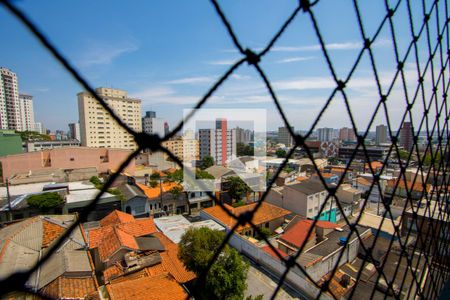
x=26 y=112
x=185 y=148
x=326 y=134
x=74 y=131
x=39 y=128
x=406 y=136
x=244 y=136
x=98 y=128
x=284 y=137
x=381 y=134
x=10 y=115
x=153 y=125
x=220 y=143
x=347 y=134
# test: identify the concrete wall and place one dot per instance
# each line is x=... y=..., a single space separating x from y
x=294 y=279
x=65 y=158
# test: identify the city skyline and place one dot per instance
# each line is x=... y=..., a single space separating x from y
x=166 y=73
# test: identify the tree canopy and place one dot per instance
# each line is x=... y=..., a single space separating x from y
x=244 y=150
x=280 y=153
x=45 y=201
x=207 y=162
x=237 y=187
x=227 y=276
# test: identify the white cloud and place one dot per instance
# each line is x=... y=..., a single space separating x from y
x=101 y=53
x=330 y=46
x=191 y=80
x=295 y=59
x=164 y=95
x=223 y=62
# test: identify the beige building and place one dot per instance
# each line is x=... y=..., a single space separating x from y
x=184 y=148
x=98 y=128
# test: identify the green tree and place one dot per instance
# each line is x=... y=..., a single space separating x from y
x=117 y=193
x=237 y=187
x=202 y=174
x=403 y=154
x=155 y=176
x=244 y=150
x=153 y=183
x=96 y=182
x=207 y=162
x=45 y=201
x=280 y=153
x=258 y=297
x=227 y=276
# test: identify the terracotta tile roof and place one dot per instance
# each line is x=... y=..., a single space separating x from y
x=266 y=213
x=338 y=170
x=156 y=191
x=301 y=178
x=375 y=165
x=328 y=175
x=111 y=272
x=273 y=254
x=51 y=232
x=70 y=288
x=363 y=181
x=158 y=288
x=170 y=261
x=116 y=217
x=416 y=187
x=119 y=230
x=297 y=234
x=138 y=227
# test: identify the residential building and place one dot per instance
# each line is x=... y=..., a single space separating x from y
x=39 y=128
x=296 y=234
x=326 y=134
x=45 y=145
x=74 y=131
x=126 y=248
x=305 y=199
x=244 y=136
x=347 y=135
x=427 y=222
x=284 y=137
x=414 y=190
x=166 y=128
x=153 y=125
x=98 y=128
x=11 y=143
x=373 y=152
x=175 y=226
x=26 y=112
x=103 y=160
x=10 y=115
x=67 y=274
x=406 y=136
x=184 y=148
x=266 y=216
x=381 y=135
x=219 y=143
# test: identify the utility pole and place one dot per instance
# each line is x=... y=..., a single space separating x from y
x=9 y=200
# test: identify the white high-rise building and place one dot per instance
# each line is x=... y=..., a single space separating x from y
x=153 y=125
x=219 y=143
x=326 y=134
x=10 y=114
x=39 y=128
x=99 y=129
x=26 y=112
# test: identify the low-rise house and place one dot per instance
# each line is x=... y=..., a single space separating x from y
x=305 y=199
x=296 y=234
x=136 y=202
x=266 y=216
x=329 y=178
x=398 y=187
x=123 y=246
x=349 y=198
x=161 y=201
x=68 y=274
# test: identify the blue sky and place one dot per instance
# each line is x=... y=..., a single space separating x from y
x=168 y=53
